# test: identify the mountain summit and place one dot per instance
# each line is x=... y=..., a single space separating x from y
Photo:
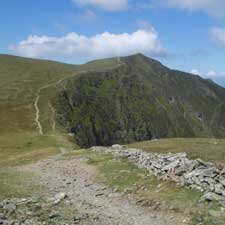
x=139 y=99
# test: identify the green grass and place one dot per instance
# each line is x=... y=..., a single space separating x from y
x=22 y=148
x=12 y=184
x=207 y=149
x=77 y=153
x=125 y=177
x=20 y=79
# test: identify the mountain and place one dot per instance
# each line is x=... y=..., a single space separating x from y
x=139 y=99
x=117 y=100
x=24 y=82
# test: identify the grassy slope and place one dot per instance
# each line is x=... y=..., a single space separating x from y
x=20 y=79
x=208 y=149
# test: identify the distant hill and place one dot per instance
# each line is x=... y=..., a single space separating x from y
x=23 y=80
x=117 y=100
x=139 y=100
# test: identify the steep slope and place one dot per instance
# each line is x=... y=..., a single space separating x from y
x=140 y=100
x=26 y=87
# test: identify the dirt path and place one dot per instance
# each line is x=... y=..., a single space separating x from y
x=99 y=204
x=37 y=115
x=53 y=116
x=37 y=110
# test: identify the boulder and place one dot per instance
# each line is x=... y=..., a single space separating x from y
x=219 y=189
x=59 y=197
x=172 y=165
x=116 y=146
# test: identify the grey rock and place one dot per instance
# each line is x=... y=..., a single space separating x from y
x=210 y=196
x=223 y=171
x=116 y=146
x=171 y=166
x=222 y=180
x=54 y=215
x=219 y=189
x=177 y=156
x=156 y=165
x=206 y=164
x=2 y=216
x=10 y=207
x=59 y=197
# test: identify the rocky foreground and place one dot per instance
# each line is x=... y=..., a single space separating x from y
x=196 y=174
x=71 y=196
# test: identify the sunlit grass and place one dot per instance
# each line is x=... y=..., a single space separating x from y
x=207 y=149
x=125 y=177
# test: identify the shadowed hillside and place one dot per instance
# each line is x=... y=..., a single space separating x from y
x=140 y=100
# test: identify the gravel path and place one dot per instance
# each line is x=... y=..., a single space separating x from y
x=98 y=204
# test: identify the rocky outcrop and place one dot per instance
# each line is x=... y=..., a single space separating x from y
x=195 y=174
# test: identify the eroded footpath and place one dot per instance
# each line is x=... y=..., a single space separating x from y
x=72 y=196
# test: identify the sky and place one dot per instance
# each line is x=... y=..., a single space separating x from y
x=187 y=35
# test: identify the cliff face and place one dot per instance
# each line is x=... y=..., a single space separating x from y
x=140 y=100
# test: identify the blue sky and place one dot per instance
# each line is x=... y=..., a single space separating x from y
x=188 y=35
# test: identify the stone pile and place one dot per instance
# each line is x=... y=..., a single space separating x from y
x=196 y=174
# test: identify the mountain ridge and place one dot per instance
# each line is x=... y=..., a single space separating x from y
x=143 y=100
x=140 y=92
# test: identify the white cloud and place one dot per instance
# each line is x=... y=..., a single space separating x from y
x=211 y=73
x=218 y=36
x=215 y=74
x=215 y=8
x=101 y=45
x=208 y=74
x=195 y=72
x=111 y=5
